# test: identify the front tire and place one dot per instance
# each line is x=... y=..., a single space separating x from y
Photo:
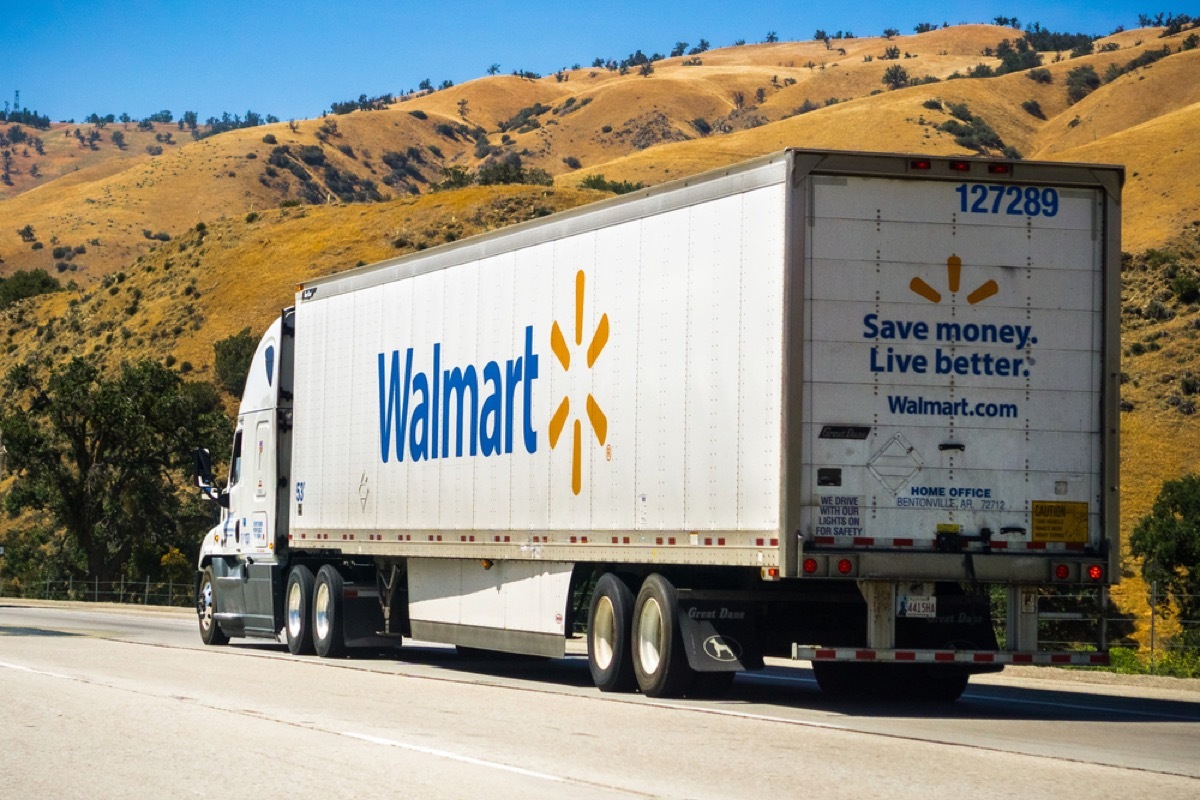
x=659 y=661
x=298 y=612
x=610 y=624
x=206 y=608
x=328 y=614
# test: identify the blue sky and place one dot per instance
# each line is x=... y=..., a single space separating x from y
x=70 y=58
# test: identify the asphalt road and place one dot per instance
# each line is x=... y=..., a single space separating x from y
x=113 y=703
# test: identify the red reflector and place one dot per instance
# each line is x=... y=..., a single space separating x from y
x=1062 y=571
x=999 y=169
x=1095 y=572
x=960 y=166
x=920 y=163
x=845 y=566
x=810 y=566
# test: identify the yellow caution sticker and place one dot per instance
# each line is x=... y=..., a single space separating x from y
x=1055 y=521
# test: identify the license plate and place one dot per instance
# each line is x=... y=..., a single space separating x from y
x=916 y=606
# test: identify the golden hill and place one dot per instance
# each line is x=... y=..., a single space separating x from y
x=186 y=247
x=682 y=118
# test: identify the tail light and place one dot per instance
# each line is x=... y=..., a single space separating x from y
x=1064 y=571
x=1095 y=573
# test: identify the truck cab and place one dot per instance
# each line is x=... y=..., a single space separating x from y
x=242 y=555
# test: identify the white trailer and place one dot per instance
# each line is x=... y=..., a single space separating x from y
x=818 y=405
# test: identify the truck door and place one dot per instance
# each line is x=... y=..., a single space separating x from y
x=228 y=569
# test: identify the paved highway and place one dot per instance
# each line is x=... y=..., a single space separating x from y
x=103 y=702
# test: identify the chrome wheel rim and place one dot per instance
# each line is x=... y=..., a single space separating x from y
x=604 y=633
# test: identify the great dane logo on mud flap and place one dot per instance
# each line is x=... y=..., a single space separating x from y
x=722 y=648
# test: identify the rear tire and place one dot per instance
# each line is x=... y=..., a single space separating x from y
x=711 y=684
x=891 y=682
x=659 y=661
x=610 y=624
x=206 y=608
x=328 y=612
x=842 y=681
x=940 y=685
x=298 y=612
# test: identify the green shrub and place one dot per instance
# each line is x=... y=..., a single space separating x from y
x=1033 y=108
x=1040 y=75
x=26 y=283
x=616 y=187
x=1081 y=82
x=232 y=361
x=1186 y=287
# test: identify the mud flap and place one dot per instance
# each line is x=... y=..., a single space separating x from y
x=719 y=636
x=363 y=621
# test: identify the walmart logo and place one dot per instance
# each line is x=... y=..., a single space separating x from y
x=425 y=413
x=431 y=408
x=954 y=279
x=562 y=351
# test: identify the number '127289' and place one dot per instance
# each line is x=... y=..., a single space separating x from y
x=1025 y=201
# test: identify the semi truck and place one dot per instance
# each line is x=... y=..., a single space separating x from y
x=856 y=409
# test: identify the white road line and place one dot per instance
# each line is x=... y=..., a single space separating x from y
x=479 y=762
x=32 y=671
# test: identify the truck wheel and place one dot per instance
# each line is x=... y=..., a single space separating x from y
x=327 y=614
x=298 y=618
x=610 y=620
x=711 y=684
x=843 y=681
x=940 y=685
x=659 y=661
x=206 y=606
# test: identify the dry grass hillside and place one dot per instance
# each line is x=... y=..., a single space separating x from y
x=171 y=251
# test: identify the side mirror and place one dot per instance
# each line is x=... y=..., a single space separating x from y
x=203 y=462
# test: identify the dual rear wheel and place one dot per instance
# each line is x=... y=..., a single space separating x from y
x=315 y=614
x=635 y=642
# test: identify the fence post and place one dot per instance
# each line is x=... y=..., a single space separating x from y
x=47 y=588
x=96 y=593
x=1153 y=614
x=146 y=597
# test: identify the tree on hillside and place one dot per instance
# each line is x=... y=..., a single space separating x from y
x=104 y=457
x=118 y=138
x=494 y=69
x=895 y=77
x=232 y=360
x=1081 y=82
x=1168 y=541
x=772 y=37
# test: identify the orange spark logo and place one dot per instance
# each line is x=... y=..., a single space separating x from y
x=954 y=276
x=562 y=351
